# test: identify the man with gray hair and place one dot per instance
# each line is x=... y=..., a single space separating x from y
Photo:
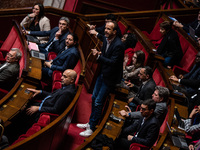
x=9 y=71
x=160 y=96
x=57 y=37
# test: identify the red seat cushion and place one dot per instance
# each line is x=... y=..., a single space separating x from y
x=44 y=120
x=137 y=146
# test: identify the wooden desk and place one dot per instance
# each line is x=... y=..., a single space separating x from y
x=113 y=129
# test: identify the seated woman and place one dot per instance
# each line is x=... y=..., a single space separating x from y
x=129 y=40
x=131 y=72
x=36 y=21
x=169 y=47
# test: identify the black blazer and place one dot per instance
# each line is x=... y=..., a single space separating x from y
x=145 y=93
x=112 y=61
x=59 y=100
x=147 y=133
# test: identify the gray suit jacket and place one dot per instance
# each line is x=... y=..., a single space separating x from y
x=9 y=75
x=160 y=112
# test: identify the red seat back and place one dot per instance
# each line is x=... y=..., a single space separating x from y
x=188 y=58
x=158 y=78
x=8 y=43
x=122 y=27
x=77 y=68
x=155 y=35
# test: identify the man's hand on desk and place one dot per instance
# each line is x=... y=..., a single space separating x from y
x=36 y=92
x=32 y=110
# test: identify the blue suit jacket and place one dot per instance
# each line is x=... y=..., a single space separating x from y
x=66 y=59
x=112 y=61
x=56 y=46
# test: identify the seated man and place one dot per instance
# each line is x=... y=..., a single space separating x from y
x=145 y=90
x=57 y=101
x=56 y=35
x=145 y=131
x=160 y=96
x=9 y=71
x=66 y=59
x=189 y=80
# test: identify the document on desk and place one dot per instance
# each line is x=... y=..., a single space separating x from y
x=33 y=46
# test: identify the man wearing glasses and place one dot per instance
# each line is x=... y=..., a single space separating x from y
x=9 y=71
x=145 y=131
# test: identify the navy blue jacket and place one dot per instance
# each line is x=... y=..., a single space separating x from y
x=66 y=59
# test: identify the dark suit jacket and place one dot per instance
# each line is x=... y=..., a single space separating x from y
x=9 y=75
x=59 y=100
x=112 y=61
x=145 y=93
x=170 y=47
x=56 y=46
x=65 y=60
x=193 y=25
x=147 y=133
x=191 y=79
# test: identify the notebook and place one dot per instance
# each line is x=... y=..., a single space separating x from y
x=177 y=140
x=181 y=124
x=37 y=54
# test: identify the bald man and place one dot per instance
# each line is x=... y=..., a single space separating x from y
x=57 y=101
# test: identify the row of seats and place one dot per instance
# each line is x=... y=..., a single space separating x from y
x=188 y=49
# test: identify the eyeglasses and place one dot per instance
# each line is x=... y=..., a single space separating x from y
x=143 y=109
